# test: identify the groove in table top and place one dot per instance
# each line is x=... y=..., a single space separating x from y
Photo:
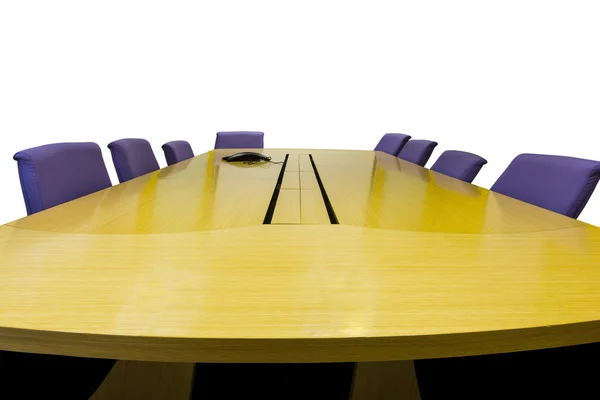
x=298 y=202
x=287 y=210
x=304 y=164
x=330 y=211
x=312 y=207
x=276 y=190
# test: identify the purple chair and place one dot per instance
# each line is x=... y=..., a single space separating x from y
x=51 y=175
x=557 y=183
x=132 y=158
x=564 y=185
x=239 y=140
x=56 y=173
x=392 y=143
x=177 y=151
x=417 y=151
x=459 y=164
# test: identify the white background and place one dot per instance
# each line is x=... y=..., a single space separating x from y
x=494 y=78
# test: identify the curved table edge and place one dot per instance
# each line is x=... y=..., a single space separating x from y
x=300 y=350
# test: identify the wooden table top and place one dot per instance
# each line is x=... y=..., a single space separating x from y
x=177 y=265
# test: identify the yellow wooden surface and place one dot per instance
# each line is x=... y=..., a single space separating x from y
x=287 y=210
x=312 y=207
x=376 y=190
x=176 y=266
x=291 y=180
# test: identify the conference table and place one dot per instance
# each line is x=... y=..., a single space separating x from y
x=319 y=256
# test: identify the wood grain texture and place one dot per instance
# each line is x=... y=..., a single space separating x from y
x=376 y=190
x=138 y=380
x=202 y=193
x=312 y=208
x=390 y=380
x=291 y=180
x=287 y=210
x=177 y=266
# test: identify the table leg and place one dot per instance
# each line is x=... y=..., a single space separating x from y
x=132 y=380
x=385 y=380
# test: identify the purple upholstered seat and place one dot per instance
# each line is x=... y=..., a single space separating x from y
x=56 y=173
x=132 y=158
x=392 y=143
x=459 y=164
x=557 y=183
x=51 y=175
x=239 y=140
x=417 y=151
x=177 y=151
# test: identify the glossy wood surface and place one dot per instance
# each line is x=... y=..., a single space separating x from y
x=177 y=266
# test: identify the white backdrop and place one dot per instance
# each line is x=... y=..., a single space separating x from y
x=495 y=78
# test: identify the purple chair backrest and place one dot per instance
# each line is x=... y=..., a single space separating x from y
x=177 y=151
x=132 y=158
x=56 y=173
x=240 y=140
x=459 y=164
x=392 y=143
x=557 y=183
x=417 y=151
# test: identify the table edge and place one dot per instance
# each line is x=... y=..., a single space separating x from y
x=300 y=350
